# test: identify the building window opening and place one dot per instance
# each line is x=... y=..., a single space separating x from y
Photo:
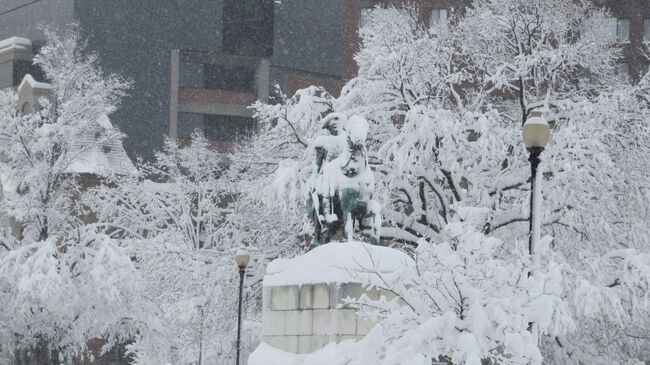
x=623 y=30
x=366 y=14
x=439 y=18
x=618 y=30
x=623 y=71
x=364 y=17
x=229 y=77
x=26 y=108
x=227 y=128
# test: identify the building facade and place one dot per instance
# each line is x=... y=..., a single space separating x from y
x=632 y=32
x=199 y=64
x=193 y=63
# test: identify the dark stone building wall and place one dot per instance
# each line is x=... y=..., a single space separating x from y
x=22 y=18
x=25 y=19
x=134 y=39
x=307 y=44
x=308 y=36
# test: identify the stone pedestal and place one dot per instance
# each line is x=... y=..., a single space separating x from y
x=304 y=297
x=303 y=319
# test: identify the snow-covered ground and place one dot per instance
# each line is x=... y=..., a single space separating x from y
x=332 y=354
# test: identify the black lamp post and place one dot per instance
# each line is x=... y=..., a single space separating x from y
x=536 y=134
x=242 y=260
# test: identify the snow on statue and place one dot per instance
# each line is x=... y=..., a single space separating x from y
x=341 y=187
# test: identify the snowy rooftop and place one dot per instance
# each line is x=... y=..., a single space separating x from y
x=15 y=43
x=100 y=155
x=29 y=80
x=336 y=262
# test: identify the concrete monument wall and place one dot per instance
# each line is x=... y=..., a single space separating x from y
x=303 y=319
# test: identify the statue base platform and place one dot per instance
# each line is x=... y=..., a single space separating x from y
x=303 y=306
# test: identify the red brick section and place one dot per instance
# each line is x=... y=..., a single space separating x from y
x=209 y=96
x=352 y=14
x=299 y=80
x=636 y=11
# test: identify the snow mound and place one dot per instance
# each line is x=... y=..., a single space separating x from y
x=337 y=263
x=328 y=355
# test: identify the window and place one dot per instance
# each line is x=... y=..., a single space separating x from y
x=438 y=18
x=26 y=108
x=366 y=14
x=228 y=76
x=623 y=30
x=364 y=19
x=619 y=30
x=646 y=30
x=611 y=30
x=215 y=127
x=623 y=71
x=227 y=128
x=240 y=78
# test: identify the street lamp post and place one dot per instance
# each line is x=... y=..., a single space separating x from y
x=536 y=134
x=242 y=260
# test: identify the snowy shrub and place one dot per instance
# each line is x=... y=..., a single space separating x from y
x=466 y=300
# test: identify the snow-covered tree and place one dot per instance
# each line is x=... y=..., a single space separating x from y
x=554 y=56
x=465 y=301
x=446 y=109
x=170 y=227
x=61 y=282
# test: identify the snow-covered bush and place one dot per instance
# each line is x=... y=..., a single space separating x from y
x=465 y=301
